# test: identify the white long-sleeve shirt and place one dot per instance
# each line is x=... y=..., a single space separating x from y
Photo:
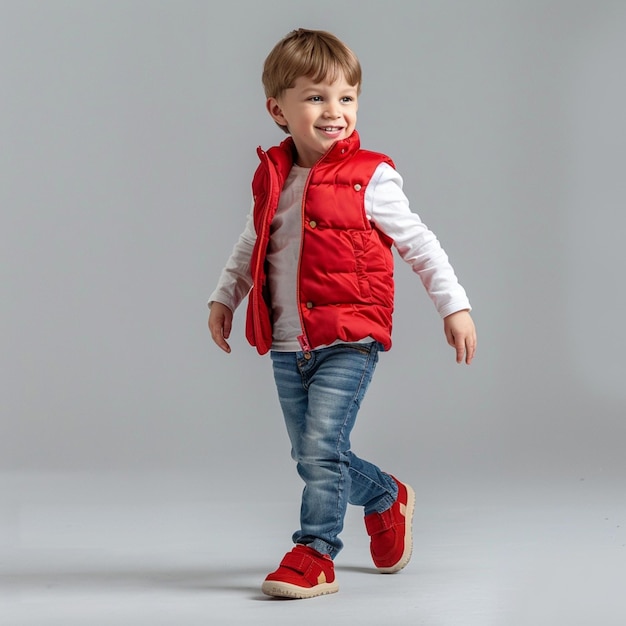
x=386 y=206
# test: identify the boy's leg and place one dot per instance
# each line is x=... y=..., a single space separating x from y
x=389 y=506
x=371 y=488
x=320 y=397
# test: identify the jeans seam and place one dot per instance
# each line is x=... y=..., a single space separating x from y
x=354 y=407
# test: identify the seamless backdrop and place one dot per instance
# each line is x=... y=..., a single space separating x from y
x=128 y=133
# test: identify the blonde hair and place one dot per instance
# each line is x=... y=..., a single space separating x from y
x=315 y=54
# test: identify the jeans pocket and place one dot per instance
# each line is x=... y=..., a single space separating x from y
x=362 y=348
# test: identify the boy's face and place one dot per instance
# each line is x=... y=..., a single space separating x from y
x=316 y=114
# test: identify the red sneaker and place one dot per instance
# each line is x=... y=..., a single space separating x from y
x=303 y=573
x=391 y=540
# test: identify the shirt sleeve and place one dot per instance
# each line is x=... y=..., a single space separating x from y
x=235 y=281
x=388 y=209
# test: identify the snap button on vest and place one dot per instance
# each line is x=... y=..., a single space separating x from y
x=357 y=187
x=309 y=305
x=313 y=224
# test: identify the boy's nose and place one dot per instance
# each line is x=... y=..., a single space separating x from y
x=331 y=111
x=331 y=114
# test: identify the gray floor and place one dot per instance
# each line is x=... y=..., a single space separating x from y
x=156 y=550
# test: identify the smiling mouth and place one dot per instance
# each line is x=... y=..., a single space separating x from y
x=330 y=129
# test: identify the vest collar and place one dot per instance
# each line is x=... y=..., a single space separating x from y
x=283 y=155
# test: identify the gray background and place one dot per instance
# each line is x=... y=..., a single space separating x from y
x=128 y=133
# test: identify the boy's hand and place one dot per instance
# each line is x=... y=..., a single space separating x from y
x=461 y=335
x=220 y=324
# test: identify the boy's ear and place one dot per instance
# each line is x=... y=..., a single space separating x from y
x=273 y=108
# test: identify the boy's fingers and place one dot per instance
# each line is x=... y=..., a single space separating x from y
x=221 y=342
x=470 y=351
x=460 y=350
x=226 y=328
x=465 y=349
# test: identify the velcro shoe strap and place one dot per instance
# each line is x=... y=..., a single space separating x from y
x=379 y=522
x=303 y=564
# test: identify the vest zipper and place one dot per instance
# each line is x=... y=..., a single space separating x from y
x=303 y=340
x=260 y=253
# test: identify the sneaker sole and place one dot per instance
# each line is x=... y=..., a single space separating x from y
x=408 y=535
x=286 y=590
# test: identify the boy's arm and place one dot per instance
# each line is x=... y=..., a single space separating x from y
x=388 y=209
x=233 y=286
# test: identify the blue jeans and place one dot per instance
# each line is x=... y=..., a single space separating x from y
x=320 y=393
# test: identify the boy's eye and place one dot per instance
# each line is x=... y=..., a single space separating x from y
x=344 y=99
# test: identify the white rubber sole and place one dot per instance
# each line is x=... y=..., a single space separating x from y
x=286 y=590
x=408 y=535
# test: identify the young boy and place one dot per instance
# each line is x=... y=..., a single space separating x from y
x=316 y=262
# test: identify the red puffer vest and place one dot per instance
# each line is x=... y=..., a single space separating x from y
x=345 y=286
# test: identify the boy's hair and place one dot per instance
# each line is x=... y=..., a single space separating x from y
x=315 y=54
